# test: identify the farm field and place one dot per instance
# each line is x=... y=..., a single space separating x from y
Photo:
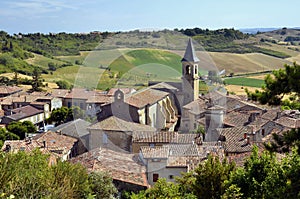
x=42 y=61
x=240 y=90
x=244 y=81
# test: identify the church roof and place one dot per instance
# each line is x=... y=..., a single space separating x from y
x=190 y=55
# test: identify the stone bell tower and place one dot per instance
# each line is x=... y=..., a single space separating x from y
x=190 y=78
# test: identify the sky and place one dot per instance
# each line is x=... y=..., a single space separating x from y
x=30 y=16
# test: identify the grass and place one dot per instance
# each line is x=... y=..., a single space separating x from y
x=243 y=81
x=42 y=61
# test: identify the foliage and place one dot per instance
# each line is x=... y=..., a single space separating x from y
x=284 y=143
x=282 y=82
x=21 y=129
x=65 y=114
x=62 y=84
x=37 y=82
x=29 y=175
x=6 y=135
x=210 y=177
x=97 y=181
x=162 y=190
x=262 y=177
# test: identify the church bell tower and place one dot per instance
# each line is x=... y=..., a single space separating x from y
x=190 y=78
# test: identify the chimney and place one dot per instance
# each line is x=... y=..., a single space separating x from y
x=252 y=117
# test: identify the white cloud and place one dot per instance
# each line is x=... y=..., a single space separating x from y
x=36 y=8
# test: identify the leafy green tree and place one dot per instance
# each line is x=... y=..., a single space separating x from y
x=210 y=178
x=163 y=189
x=65 y=114
x=21 y=129
x=101 y=185
x=28 y=175
x=283 y=143
x=282 y=82
x=62 y=84
x=5 y=135
x=261 y=177
x=18 y=129
x=59 y=115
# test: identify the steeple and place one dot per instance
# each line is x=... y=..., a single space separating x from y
x=190 y=55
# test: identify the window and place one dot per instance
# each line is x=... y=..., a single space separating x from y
x=152 y=145
x=155 y=177
x=69 y=104
x=81 y=105
x=263 y=132
x=196 y=71
x=188 y=69
x=171 y=177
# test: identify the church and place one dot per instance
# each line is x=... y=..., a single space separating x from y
x=160 y=104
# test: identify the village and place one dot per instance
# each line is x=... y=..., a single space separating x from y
x=142 y=135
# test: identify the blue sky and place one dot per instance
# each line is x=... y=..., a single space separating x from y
x=103 y=15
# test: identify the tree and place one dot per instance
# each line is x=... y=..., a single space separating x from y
x=261 y=177
x=37 y=82
x=18 y=129
x=5 y=135
x=284 y=143
x=210 y=178
x=102 y=185
x=282 y=82
x=62 y=84
x=163 y=189
x=59 y=115
x=51 y=66
x=21 y=129
x=28 y=175
x=65 y=114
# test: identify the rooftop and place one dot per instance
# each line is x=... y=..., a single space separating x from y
x=121 y=166
x=116 y=124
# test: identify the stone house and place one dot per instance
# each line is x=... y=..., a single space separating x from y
x=127 y=171
x=115 y=134
x=57 y=145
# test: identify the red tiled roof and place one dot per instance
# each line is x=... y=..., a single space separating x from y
x=121 y=166
x=59 y=92
x=55 y=144
x=147 y=96
x=288 y=122
x=23 y=112
x=112 y=91
x=116 y=124
x=7 y=90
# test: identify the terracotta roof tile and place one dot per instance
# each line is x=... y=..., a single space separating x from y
x=126 y=91
x=148 y=96
x=55 y=143
x=7 y=90
x=288 y=122
x=236 y=119
x=23 y=112
x=61 y=93
x=165 y=137
x=121 y=166
x=116 y=124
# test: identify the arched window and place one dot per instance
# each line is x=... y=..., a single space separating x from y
x=196 y=70
x=188 y=69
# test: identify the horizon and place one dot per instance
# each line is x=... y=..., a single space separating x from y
x=54 y=16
